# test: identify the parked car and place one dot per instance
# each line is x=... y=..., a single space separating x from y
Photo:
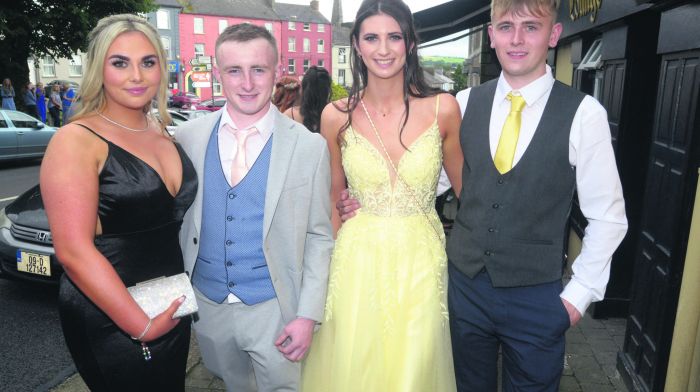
x=22 y=136
x=26 y=246
x=184 y=100
x=211 y=105
x=192 y=114
x=176 y=117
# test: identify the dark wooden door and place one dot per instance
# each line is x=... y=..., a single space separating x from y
x=664 y=228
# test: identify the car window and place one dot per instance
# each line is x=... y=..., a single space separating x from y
x=3 y=122
x=21 y=120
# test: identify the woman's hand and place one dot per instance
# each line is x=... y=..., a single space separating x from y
x=163 y=322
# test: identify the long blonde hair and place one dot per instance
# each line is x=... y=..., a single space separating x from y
x=91 y=97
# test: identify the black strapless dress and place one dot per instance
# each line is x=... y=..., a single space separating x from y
x=140 y=223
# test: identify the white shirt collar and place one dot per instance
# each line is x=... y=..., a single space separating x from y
x=535 y=90
x=265 y=125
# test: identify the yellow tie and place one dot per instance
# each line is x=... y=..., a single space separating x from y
x=239 y=168
x=505 y=152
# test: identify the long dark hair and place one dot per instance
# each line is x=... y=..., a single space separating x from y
x=315 y=94
x=414 y=84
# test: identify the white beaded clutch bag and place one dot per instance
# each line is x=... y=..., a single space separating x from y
x=155 y=295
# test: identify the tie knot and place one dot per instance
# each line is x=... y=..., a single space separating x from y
x=517 y=102
x=242 y=134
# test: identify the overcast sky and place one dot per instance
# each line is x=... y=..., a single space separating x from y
x=457 y=48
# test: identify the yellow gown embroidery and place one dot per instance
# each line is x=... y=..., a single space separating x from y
x=386 y=326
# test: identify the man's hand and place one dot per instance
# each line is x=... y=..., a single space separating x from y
x=346 y=206
x=295 y=339
x=574 y=315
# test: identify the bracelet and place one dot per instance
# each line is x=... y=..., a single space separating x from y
x=145 y=330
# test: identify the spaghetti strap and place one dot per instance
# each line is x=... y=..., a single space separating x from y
x=437 y=106
x=293 y=114
x=95 y=133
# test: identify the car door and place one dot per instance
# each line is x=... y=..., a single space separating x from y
x=8 y=138
x=32 y=135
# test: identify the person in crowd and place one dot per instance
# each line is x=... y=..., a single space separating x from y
x=115 y=211
x=55 y=105
x=315 y=95
x=258 y=239
x=530 y=144
x=67 y=99
x=41 y=102
x=8 y=94
x=386 y=325
x=287 y=93
x=30 y=100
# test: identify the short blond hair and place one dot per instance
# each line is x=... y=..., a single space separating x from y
x=91 y=97
x=535 y=7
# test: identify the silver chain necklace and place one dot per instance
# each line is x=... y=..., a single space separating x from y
x=124 y=126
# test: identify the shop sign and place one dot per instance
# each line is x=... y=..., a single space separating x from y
x=581 y=8
x=201 y=77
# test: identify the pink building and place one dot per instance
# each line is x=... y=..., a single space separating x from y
x=303 y=37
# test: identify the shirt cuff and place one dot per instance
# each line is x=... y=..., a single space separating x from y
x=577 y=295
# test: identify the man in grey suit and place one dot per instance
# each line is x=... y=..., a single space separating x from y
x=258 y=238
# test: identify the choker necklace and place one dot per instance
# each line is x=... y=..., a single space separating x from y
x=124 y=126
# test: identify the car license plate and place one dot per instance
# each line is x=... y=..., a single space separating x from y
x=33 y=263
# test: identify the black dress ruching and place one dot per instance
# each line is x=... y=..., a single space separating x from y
x=140 y=223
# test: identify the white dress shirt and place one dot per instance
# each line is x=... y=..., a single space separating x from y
x=253 y=147
x=597 y=181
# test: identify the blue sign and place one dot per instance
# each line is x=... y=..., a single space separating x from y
x=173 y=66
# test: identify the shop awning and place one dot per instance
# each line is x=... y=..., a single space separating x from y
x=451 y=17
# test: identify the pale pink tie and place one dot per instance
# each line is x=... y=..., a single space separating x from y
x=239 y=168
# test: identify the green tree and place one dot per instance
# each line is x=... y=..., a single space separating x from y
x=338 y=92
x=57 y=28
x=459 y=78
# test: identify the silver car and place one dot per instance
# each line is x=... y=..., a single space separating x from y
x=22 y=136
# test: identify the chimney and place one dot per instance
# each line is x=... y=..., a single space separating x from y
x=314 y=5
x=337 y=15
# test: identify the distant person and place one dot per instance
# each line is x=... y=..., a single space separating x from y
x=29 y=96
x=315 y=95
x=55 y=105
x=116 y=187
x=287 y=93
x=41 y=102
x=8 y=95
x=67 y=100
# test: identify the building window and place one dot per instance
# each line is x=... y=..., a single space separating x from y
x=341 y=77
x=320 y=47
x=320 y=27
x=307 y=26
x=321 y=63
x=291 y=25
x=48 y=66
x=223 y=24
x=292 y=44
x=166 y=46
x=307 y=45
x=592 y=59
x=198 y=26
x=268 y=27
x=307 y=63
x=75 y=68
x=291 y=67
x=217 y=87
x=342 y=58
x=198 y=50
x=163 y=19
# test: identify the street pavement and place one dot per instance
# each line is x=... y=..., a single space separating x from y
x=590 y=362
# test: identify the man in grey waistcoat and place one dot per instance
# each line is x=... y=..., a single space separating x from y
x=529 y=144
x=258 y=238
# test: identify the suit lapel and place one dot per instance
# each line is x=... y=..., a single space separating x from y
x=199 y=151
x=283 y=142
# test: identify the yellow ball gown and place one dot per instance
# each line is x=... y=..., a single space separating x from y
x=386 y=325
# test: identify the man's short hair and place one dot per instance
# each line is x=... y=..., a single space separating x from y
x=244 y=32
x=535 y=7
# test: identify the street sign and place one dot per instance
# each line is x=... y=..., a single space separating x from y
x=204 y=59
x=194 y=62
x=201 y=84
x=208 y=67
x=173 y=66
x=203 y=77
x=199 y=68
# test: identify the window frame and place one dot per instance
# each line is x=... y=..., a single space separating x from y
x=198 y=22
x=291 y=66
x=160 y=13
x=73 y=65
x=320 y=45
x=306 y=45
x=291 y=44
x=47 y=61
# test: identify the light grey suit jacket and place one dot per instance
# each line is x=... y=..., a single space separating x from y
x=297 y=231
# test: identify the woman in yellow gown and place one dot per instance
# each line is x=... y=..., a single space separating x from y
x=386 y=324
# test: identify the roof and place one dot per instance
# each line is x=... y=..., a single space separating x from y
x=451 y=17
x=299 y=13
x=169 y=3
x=435 y=78
x=254 y=9
x=341 y=35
